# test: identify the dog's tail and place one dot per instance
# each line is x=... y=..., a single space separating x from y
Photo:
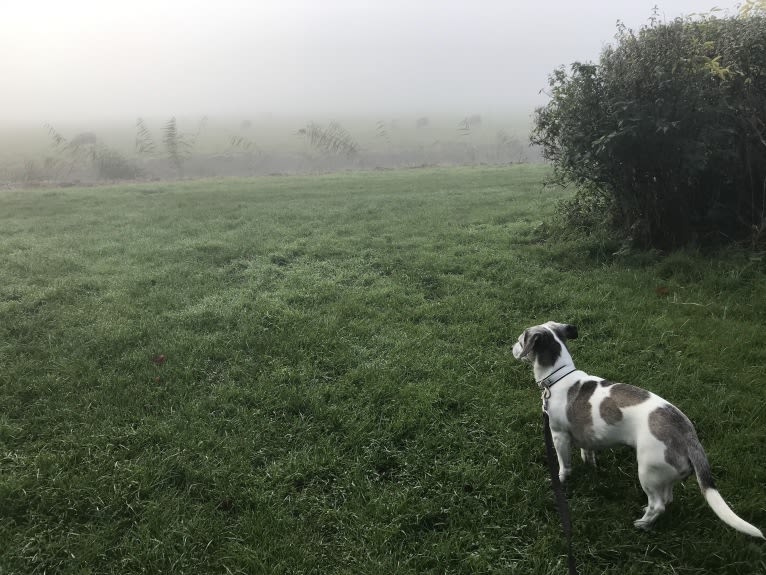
x=717 y=504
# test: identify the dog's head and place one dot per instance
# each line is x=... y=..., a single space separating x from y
x=544 y=344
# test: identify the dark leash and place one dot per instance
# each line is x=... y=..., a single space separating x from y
x=558 y=492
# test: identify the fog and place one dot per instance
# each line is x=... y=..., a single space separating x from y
x=81 y=60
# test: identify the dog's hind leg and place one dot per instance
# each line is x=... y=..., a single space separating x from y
x=654 y=508
x=668 y=495
x=657 y=482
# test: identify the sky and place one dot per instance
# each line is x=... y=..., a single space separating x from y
x=71 y=60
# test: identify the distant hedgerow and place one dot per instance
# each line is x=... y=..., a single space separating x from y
x=178 y=145
x=86 y=151
x=333 y=139
x=670 y=126
x=112 y=165
x=144 y=139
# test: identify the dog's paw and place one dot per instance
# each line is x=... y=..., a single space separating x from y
x=643 y=525
x=563 y=474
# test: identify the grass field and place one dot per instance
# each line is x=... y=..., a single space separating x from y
x=314 y=375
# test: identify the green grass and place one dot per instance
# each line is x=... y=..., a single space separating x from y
x=337 y=393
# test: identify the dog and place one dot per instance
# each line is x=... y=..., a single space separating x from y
x=593 y=413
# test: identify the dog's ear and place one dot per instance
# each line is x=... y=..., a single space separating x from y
x=533 y=340
x=570 y=331
x=528 y=344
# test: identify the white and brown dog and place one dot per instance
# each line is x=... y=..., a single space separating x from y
x=593 y=413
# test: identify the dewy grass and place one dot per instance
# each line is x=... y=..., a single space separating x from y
x=313 y=375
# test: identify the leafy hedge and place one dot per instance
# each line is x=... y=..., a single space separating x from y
x=670 y=126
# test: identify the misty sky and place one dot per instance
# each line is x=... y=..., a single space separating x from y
x=83 y=59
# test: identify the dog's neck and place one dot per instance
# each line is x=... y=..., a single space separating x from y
x=548 y=375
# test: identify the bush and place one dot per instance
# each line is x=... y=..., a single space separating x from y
x=111 y=165
x=670 y=126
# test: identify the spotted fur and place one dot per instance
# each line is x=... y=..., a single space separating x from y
x=620 y=396
x=579 y=411
x=593 y=413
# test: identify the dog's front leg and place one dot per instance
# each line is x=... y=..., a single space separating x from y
x=562 y=442
x=588 y=456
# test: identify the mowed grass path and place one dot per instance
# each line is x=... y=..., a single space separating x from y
x=313 y=375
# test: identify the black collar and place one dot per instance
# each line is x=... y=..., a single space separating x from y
x=549 y=381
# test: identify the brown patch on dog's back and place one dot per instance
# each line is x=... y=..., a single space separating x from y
x=621 y=395
x=626 y=395
x=579 y=410
x=609 y=411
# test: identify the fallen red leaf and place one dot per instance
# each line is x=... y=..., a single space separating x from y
x=662 y=291
x=159 y=359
